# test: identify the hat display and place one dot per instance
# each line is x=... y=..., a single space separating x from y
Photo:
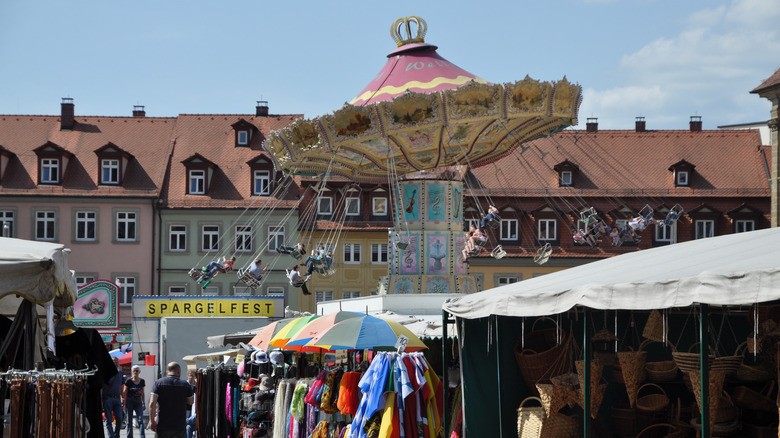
x=265 y=384
x=251 y=384
x=259 y=357
x=277 y=357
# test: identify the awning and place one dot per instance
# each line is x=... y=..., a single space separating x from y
x=736 y=269
x=219 y=356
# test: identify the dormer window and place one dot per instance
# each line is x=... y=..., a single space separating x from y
x=683 y=171
x=244 y=131
x=112 y=162
x=262 y=171
x=682 y=178
x=197 y=185
x=109 y=171
x=200 y=171
x=5 y=158
x=566 y=170
x=52 y=161
x=50 y=171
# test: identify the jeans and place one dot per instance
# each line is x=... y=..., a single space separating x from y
x=112 y=407
x=135 y=405
x=192 y=426
x=488 y=217
x=211 y=269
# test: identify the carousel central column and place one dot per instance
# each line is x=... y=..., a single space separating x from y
x=428 y=237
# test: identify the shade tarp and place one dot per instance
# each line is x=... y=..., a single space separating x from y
x=36 y=271
x=735 y=269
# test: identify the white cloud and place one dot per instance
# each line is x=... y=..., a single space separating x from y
x=718 y=56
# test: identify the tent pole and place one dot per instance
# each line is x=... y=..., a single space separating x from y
x=704 y=368
x=445 y=363
x=498 y=379
x=586 y=374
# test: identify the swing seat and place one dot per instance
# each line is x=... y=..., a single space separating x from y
x=673 y=215
x=498 y=252
x=297 y=255
x=480 y=241
x=248 y=278
x=475 y=251
x=493 y=223
x=588 y=215
x=316 y=262
x=543 y=254
x=197 y=274
x=647 y=213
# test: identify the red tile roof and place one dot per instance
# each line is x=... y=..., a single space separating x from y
x=147 y=139
x=625 y=163
x=771 y=81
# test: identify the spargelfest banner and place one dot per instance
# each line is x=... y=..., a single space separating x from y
x=97 y=305
x=200 y=306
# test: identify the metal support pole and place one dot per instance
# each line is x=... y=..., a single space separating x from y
x=704 y=368
x=445 y=362
x=498 y=380
x=586 y=374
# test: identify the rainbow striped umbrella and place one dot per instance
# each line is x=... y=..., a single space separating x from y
x=262 y=339
x=365 y=332
x=288 y=331
x=314 y=328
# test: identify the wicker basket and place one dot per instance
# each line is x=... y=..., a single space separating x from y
x=530 y=419
x=542 y=357
x=632 y=366
x=660 y=371
x=624 y=420
x=747 y=398
x=661 y=430
x=727 y=411
x=651 y=403
x=561 y=426
x=715 y=387
x=750 y=373
x=755 y=431
x=654 y=327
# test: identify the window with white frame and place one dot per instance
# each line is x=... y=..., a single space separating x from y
x=566 y=178
x=350 y=294
x=509 y=229
x=241 y=290
x=324 y=295
x=109 y=171
x=379 y=207
x=468 y=223
x=177 y=238
x=197 y=182
x=379 y=253
x=243 y=238
x=127 y=288
x=548 y=229
x=177 y=291
x=743 y=226
x=210 y=238
x=682 y=177
x=705 y=228
x=621 y=223
x=261 y=185
x=325 y=205
x=7 y=223
x=83 y=280
x=45 y=225
x=274 y=291
x=126 y=226
x=352 y=253
x=276 y=236
x=243 y=138
x=353 y=206
x=663 y=233
x=50 y=170
x=86 y=226
x=211 y=291
x=502 y=280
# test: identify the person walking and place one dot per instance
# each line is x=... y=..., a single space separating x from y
x=174 y=397
x=133 y=396
x=112 y=402
x=192 y=426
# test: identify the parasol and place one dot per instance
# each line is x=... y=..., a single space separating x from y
x=116 y=353
x=366 y=332
x=126 y=359
x=314 y=328
x=262 y=339
x=288 y=331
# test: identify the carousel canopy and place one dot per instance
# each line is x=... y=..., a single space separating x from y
x=36 y=271
x=421 y=112
x=736 y=269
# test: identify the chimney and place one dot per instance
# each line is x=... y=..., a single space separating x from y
x=138 y=111
x=592 y=125
x=66 y=119
x=640 y=124
x=695 y=123
x=261 y=110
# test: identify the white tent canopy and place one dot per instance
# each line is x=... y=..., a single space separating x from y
x=735 y=269
x=36 y=271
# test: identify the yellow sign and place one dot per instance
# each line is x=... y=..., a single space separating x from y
x=209 y=307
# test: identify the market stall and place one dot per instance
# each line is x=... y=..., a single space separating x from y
x=688 y=280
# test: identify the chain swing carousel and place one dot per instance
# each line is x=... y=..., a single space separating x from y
x=420 y=125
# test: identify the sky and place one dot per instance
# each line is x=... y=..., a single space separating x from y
x=665 y=60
